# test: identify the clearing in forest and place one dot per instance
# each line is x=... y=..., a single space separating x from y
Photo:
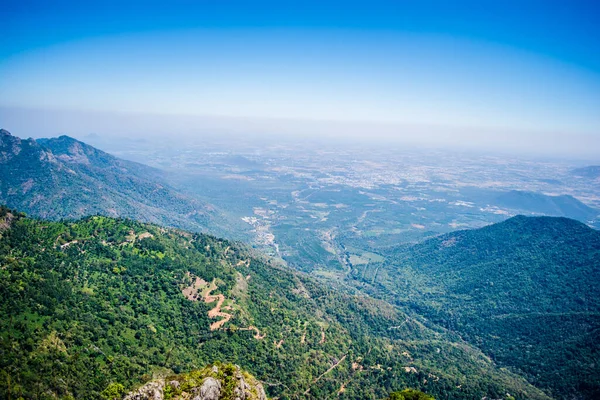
x=199 y=288
x=191 y=292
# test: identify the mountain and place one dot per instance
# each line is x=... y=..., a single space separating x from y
x=65 y=178
x=100 y=304
x=526 y=291
x=554 y=206
x=590 y=172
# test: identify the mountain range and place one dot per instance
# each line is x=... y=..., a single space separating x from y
x=64 y=178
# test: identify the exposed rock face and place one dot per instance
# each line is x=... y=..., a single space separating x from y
x=215 y=382
x=150 y=391
x=260 y=391
x=239 y=392
x=210 y=390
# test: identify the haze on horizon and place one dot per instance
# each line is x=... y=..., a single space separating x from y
x=510 y=75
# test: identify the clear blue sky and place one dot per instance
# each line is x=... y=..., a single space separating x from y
x=515 y=65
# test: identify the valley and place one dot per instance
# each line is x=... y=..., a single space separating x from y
x=392 y=234
x=322 y=207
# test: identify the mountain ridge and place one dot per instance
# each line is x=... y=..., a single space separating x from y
x=538 y=203
x=498 y=286
x=591 y=172
x=65 y=178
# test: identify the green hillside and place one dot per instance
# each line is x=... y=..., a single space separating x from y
x=526 y=291
x=101 y=302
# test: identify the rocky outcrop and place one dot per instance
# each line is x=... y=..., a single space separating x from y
x=215 y=382
x=210 y=390
x=260 y=392
x=244 y=391
x=150 y=391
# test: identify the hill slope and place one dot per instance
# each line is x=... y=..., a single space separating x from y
x=65 y=178
x=553 y=206
x=100 y=301
x=526 y=291
x=592 y=172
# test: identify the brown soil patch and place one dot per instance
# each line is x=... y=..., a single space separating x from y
x=356 y=366
x=257 y=334
x=64 y=246
x=245 y=263
x=191 y=292
x=216 y=311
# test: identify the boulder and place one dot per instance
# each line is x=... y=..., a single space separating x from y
x=150 y=391
x=210 y=390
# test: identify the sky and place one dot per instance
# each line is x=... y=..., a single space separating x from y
x=524 y=69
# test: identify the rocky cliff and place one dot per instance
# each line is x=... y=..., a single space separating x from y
x=224 y=382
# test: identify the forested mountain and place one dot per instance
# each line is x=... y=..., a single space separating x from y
x=90 y=305
x=526 y=291
x=65 y=178
x=553 y=206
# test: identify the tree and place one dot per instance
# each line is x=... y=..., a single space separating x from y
x=409 y=394
x=114 y=391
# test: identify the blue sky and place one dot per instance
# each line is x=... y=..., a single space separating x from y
x=527 y=66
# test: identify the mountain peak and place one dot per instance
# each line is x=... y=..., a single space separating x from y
x=538 y=203
x=72 y=150
x=541 y=221
x=4 y=132
x=62 y=140
x=590 y=172
x=538 y=226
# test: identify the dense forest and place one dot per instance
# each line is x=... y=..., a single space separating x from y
x=90 y=304
x=526 y=291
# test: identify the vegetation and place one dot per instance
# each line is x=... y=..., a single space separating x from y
x=227 y=381
x=525 y=291
x=64 y=178
x=409 y=394
x=98 y=306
